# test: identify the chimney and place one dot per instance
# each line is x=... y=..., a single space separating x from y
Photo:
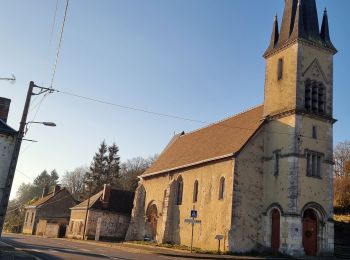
x=4 y=108
x=45 y=191
x=56 y=189
x=106 y=196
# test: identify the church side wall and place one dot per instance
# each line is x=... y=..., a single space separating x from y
x=246 y=233
x=215 y=214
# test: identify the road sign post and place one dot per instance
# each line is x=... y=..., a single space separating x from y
x=219 y=238
x=192 y=221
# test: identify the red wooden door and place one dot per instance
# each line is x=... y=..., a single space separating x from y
x=310 y=232
x=275 y=232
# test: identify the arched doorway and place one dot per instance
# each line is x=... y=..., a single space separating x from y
x=310 y=232
x=151 y=221
x=275 y=230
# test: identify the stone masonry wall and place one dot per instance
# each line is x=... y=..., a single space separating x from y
x=246 y=232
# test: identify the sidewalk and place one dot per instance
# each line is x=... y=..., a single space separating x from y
x=167 y=252
x=174 y=253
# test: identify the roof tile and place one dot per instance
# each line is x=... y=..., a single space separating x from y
x=220 y=139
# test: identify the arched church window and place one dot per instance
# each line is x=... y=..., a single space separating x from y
x=222 y=188
x=195 y=192
x=180 y=188
x=315 y=97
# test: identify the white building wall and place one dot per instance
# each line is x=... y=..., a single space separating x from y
x=6 y=149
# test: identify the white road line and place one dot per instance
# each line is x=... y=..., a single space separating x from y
x=35 y=250
x=85 y=250
x=69 y=250
x=111 y=257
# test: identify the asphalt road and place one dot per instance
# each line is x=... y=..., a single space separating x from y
x=56 y=249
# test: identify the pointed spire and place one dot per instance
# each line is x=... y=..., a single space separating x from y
x=298 y=28
x=275 y=32
x=300 y=21
x=274 y=35
x=324 y=28
x=326 y=39
x=287 y=21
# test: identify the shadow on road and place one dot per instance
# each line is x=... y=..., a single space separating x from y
x=39 y=251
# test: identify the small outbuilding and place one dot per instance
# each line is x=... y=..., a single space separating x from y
x=49 y=216
x=107 y=216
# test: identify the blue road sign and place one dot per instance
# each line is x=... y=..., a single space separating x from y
x=193 y=213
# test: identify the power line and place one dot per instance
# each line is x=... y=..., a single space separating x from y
x=131 y=108
x=59 y=44
x=53 y=23
x=22 y=173
x=175 y=116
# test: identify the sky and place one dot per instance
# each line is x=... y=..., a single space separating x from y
x=198 y=59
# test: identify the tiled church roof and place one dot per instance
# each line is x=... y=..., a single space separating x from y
x=215 y=141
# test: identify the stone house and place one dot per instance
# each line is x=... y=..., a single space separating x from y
x=49 y=216
x=7 y=142
x=263 y=178
x=107 y=215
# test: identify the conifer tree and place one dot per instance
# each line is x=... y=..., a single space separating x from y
x=113 y=165
x=104 y=168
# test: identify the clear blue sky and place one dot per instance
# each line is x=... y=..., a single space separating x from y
x=199 y=59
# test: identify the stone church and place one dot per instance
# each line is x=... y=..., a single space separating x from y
x=261 y=179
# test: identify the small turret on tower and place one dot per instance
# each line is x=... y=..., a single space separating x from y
x=326 y=39
x=274 y=35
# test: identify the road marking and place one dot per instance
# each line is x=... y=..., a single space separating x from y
x=85 y=250
x=69 y=250
x=111 y=257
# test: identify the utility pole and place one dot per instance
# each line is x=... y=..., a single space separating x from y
x=87 y=209
x=6 y=190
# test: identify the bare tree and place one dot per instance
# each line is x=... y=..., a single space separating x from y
x=342 y=159
x=74 y=182
x=342 y=176
x=132 y=169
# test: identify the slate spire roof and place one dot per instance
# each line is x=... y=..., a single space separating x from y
x=298 y=27
x=300 y=21
x=275 y=35
x=325 y=31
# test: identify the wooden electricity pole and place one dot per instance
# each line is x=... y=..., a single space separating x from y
x=8 y=179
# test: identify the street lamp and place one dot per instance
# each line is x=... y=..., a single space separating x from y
x=51 y=124
x=42 y=123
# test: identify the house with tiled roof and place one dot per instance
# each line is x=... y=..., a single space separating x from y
x=49 y=215
x=105 y=215
x=261 y=179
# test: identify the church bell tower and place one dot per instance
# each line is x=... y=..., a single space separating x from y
x=298 y=108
